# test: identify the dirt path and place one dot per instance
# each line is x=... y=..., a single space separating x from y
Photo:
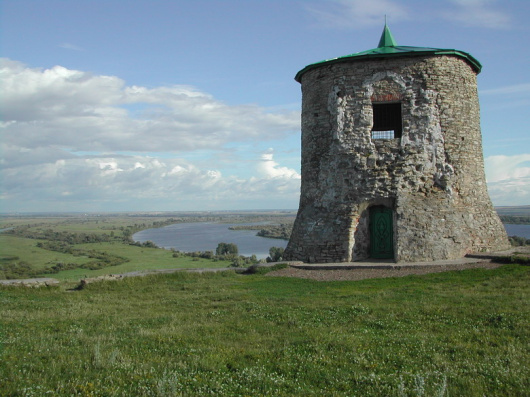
x=361 y=274
x=362 y=270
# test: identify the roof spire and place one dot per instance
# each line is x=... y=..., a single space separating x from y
x=387 y=40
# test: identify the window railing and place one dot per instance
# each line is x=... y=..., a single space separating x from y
x=383 y=134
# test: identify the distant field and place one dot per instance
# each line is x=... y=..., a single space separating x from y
x=27 y=250
x=460 y=333
x=24 y=255
x=140 y=258
x=523 y=210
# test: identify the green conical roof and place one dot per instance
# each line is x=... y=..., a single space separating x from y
x=388 y=48
x=387 y=40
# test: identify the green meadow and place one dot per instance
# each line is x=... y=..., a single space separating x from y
x=462 y=333
x=25 y=250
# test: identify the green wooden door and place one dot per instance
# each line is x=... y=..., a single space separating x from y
x=381 y=236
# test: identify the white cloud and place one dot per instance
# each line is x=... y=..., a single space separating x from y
x=143 y=182
x=76 y=110
x=66 y=135
x=357 y=14
x=501 y=167
x=268 y=168
x=360 y=14
x=175 y=184
x=508 y=179
x=109 y=167
x=479 y=13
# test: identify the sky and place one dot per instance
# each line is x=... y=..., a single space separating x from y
x=180 y=105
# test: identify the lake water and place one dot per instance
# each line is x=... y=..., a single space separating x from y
x=518 y=230
x=205 y=236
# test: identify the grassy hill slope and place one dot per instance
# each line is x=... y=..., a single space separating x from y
x=456 y=333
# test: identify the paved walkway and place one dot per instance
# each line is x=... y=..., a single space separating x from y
x=383 y=264
x=390 y=264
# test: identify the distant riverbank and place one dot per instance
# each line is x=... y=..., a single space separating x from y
x=205 y=236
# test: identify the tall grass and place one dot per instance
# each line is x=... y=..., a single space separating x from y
x=447 y=334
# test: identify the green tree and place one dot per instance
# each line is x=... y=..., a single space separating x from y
x=226 y=249
x=275 y=254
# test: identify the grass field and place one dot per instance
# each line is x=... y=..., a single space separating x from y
x=448 y=334
x=139 y=258
x=16 y=250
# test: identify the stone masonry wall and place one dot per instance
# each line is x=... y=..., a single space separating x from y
x=432 y=177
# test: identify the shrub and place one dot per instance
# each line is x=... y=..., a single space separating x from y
x=518 y=241
x=275 y=254
x=243 y=261
x=15 y=270
x=257 y=269
x=226 y=249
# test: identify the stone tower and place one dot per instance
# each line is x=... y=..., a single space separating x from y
x=392 y=163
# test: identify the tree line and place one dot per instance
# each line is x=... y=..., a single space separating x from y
x=515 y=220
x=230 y=252
x=281 y=231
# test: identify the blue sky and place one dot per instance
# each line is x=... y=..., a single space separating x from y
x=191 y=105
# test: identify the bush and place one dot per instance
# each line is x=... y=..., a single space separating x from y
x=59 y=266
x=256 y=269
x=16 y=270
x=243 y=261
x=275 y=254
x=226 y=249
x=518 y=241
x=207 y=255
x=520 y=259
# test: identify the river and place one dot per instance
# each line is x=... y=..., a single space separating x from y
x=518 y=230
x=205 y=236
